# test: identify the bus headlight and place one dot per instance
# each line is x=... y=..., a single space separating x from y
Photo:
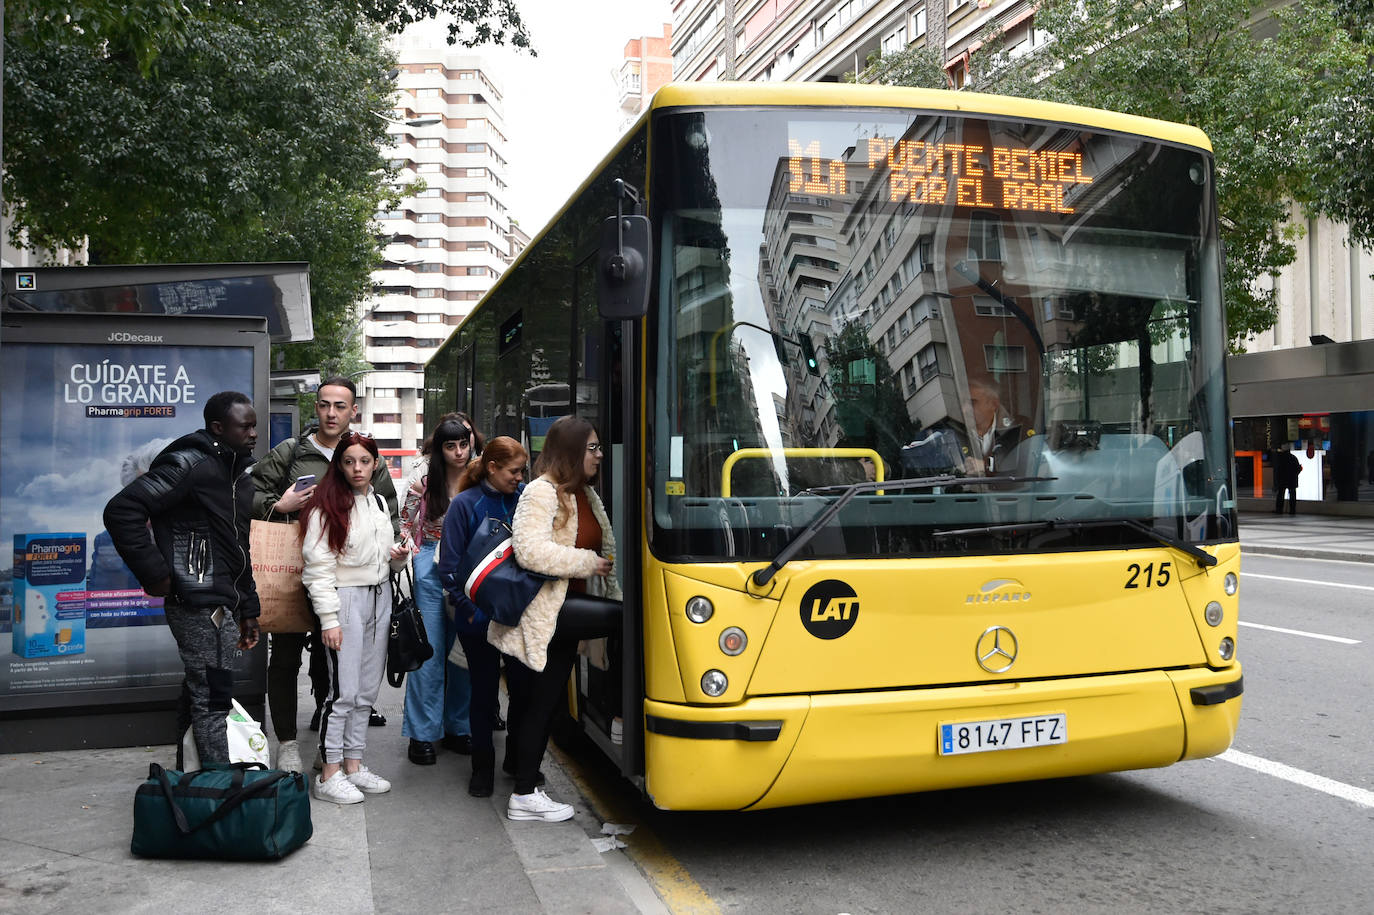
x=1213 y=614
x=699 y=610
x=733 y=640
x=714 y=683
x=1226 y=649
x=1231 y=584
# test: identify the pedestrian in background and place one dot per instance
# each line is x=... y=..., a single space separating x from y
x=438 y=695
x=348 y=544
x=1286 y=470
x=560 y=529
x=490 y=488
x=198 y=497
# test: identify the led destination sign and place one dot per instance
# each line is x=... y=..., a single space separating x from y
x=959 y=174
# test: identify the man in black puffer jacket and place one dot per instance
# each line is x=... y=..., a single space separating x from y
x=198 y=495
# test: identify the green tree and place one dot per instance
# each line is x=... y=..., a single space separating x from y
x=196 y=131
x=1340 y=126
x=918 y=67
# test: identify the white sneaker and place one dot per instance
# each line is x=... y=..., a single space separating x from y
x=369 y=782
x=617 y=731
x=537 y=806
x=337 y=790
x=289 y=757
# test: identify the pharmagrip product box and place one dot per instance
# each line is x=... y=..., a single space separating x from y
x=49 y=595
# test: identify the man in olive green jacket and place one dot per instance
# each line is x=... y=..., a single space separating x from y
x=277 y=498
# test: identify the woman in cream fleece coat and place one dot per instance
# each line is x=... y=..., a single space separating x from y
x=560 y=529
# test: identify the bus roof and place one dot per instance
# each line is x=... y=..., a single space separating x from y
x=829 y=95
x=837 y=95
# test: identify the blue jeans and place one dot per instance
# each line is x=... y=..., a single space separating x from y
x=438 y=694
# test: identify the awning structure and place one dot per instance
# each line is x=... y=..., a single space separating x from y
x=279 y=292
x=1323 y=378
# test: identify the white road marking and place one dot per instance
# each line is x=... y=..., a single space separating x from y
x=1310 y=635
x=1298 y=777
x=1308 y=581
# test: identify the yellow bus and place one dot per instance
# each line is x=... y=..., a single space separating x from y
x=917 y=440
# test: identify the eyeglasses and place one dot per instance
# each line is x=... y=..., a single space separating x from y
x=594 y=448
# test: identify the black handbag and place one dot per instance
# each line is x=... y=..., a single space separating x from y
x=492 y=579
x=407 y=646
x=226 y=811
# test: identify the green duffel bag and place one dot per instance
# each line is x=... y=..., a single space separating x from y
x=227 y=811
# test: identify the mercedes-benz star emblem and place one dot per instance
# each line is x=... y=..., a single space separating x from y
x=996 y=650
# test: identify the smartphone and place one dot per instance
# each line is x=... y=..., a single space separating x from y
x=305 y=482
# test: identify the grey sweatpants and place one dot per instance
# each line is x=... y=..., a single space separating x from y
x=207 y=653
x=355 y=670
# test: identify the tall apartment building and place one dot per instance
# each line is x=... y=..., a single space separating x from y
x=821 y=40
x=447 y=244
x=648 y=65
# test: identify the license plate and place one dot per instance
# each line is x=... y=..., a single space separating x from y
x=1002 y=734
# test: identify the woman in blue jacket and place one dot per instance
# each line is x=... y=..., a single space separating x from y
x=490 y=488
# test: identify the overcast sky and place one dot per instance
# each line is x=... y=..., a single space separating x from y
x=562 y=107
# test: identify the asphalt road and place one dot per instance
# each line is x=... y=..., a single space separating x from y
x=1284 y=822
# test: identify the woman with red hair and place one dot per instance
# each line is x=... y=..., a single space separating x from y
x=347 y=544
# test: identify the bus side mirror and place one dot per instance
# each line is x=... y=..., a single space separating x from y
x=624 y=268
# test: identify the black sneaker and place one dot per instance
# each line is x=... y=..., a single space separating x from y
x=376 y=719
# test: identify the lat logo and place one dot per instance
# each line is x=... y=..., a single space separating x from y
x=998 y=590
x=829 y=609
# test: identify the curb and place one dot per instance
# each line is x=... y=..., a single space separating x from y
x=1298 y=552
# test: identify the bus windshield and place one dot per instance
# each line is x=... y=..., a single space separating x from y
x=1023 y=316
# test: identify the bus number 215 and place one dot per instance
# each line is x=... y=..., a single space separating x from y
x=1153 y=578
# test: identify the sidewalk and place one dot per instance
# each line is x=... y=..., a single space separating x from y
x=66 y=819
x=1308 y=536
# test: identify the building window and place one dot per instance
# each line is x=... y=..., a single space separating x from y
x=426 y=242
x=396 y=163
x=895 y=41
x=927 y=363
x=386 y=417
x=475 y=147
x=431 y=192
x=426 y=293
x=429 y=268
x=477 y=271
x=428 y=167
x=1004 y=358
x=383 y=392
x=989 y=308
x=428 y=143
x=429 y=217
x=918 y=23
x=985 y=238
x=429 y=319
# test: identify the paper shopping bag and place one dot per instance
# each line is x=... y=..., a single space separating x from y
x=277 y=568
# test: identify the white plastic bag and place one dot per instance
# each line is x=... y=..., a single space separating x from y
x=247 y=742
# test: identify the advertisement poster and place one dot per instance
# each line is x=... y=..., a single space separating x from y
x=79 y=421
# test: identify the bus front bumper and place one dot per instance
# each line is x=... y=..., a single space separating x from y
x=780 y=751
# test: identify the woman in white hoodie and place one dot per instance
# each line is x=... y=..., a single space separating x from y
x=348 y=547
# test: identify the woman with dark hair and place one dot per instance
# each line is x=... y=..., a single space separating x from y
x=490 y=488
x=561 y=530
x=347 y=544
x=420 y=466
x=438 y=694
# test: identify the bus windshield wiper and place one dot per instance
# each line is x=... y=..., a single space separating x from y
x=1204 y=559
x=847 y=493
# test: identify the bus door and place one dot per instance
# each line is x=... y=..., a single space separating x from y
x=597 y=378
